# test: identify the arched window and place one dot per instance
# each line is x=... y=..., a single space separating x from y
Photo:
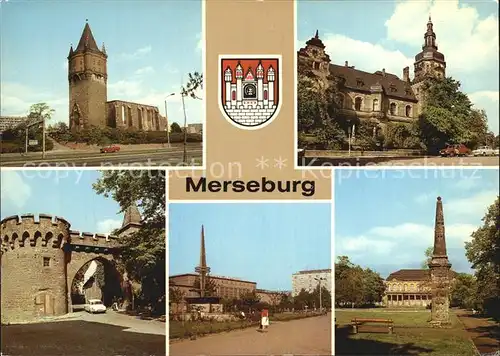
x=233 y=95
x=408 y=111
x=265 y=94
x=376 y=106
x=357 y=103
x=393 y=108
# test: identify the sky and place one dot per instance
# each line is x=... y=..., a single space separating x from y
x=372 y=35
x=384 y=219
x=151 y=47
x=260 y=242
x=67 y=194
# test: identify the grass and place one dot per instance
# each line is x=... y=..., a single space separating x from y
x=180 y=330
x=412 y=335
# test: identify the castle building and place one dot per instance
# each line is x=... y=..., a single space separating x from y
x=310 y=279
x=250 y=97
x=42 y=260
x=381 y=97
x=88 y=97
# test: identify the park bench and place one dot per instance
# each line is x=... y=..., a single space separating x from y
x=356 y=322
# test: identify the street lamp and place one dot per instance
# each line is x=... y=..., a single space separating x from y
x=166 y=117
x=184 y=154
x=320 y=299
x=349 y=135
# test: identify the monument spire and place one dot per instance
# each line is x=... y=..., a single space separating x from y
x=202 y=269
x=439 y=268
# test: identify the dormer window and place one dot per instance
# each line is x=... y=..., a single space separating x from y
x=359 y=82
x=392 y=88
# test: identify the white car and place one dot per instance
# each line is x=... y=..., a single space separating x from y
x=484 y=151
x=95 y=306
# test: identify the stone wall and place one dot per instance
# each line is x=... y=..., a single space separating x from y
x=126 y=114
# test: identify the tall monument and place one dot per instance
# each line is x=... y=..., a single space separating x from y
x=202 y=269
x=439 y=267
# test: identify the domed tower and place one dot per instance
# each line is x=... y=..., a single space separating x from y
x=33 y=267
x=87 y=76
x=429 y=62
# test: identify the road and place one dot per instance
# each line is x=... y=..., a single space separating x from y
x=297 y=337
x=401 y=161
x=99 y=335
x=163 y=157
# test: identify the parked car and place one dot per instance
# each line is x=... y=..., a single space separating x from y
x=484 y=151
x=95 y=306
x=110 y=149
x=455 y=150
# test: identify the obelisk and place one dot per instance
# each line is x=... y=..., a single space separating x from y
x=439 y=267
x=202 y=269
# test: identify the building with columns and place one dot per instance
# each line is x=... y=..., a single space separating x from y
x=88 y=97
x=380 y=97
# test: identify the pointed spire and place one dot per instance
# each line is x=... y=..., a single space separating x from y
x=203 y=255
x=103 y=49
x=317 y=34
x=87 y=40
x=430 y=36
x=70 y=50
x=439 y=234
x=132 y=215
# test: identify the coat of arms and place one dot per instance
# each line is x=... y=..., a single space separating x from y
x=249 y=89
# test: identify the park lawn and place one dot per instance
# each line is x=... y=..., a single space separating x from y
x=178 y=329
x=412 y=335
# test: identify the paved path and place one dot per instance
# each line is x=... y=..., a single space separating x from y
x=483 y=333
x=130 y=323
x=311 y=336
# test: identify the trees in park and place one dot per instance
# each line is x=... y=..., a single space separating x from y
x=428 y=257
x=355 y=286
x=464 y=291
x=175 y=127
x=143 y=252
x=483 y=252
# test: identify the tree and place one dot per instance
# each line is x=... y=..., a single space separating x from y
x=463 y=291
x=210 y=286
x=176 y=296
x=428 y=257
x=41 y=111
x=195 y=82
x=143 y=252
x=448 y=116
x=250 y=299
x=175 y=127
x=483 y=251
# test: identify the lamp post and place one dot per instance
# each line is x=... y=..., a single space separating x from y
x=320 y=299
x=166 y=117
x=184 y=154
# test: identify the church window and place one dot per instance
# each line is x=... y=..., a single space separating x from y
x=376 y=106
x=233 y=95
x=393 y=108
x=408 y=111
x=357 y=103
x=46 y=262
x=265 y=94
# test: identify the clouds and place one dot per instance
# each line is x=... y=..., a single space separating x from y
x=138 y=53
x=15 y=191
x=107 y=226
x=144 y=71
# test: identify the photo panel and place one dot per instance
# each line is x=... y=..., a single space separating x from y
x=112 y=86
x=259 y=270
x=415 y=264
x=83 y=255
x=394 y=85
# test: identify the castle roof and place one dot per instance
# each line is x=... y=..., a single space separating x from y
x=412 y=275
x=87 y=41
x=359 y=80
x=132 y=216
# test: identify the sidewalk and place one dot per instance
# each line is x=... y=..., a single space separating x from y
x=483 y=332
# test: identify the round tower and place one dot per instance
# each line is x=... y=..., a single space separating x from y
x=33 y=264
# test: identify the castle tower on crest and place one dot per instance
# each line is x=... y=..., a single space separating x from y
x=87 y=76
x=439 y=267
x=202 y=269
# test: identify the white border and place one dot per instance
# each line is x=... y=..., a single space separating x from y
x=280 y=81
x=167 y=289
x=332 y=258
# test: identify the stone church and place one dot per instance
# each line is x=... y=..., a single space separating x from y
x=381 y=97
x=88 y=97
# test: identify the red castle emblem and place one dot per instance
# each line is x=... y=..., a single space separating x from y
x=249 y=89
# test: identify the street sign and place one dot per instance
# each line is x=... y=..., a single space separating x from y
x=33 y=142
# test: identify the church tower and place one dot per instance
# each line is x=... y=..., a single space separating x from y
x=439 y=268
x=87 y=76
x=313 y=55
x=429 y=62
x=202 y=269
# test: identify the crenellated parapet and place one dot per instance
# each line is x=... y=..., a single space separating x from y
x=88 y=242
x=35 y=231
